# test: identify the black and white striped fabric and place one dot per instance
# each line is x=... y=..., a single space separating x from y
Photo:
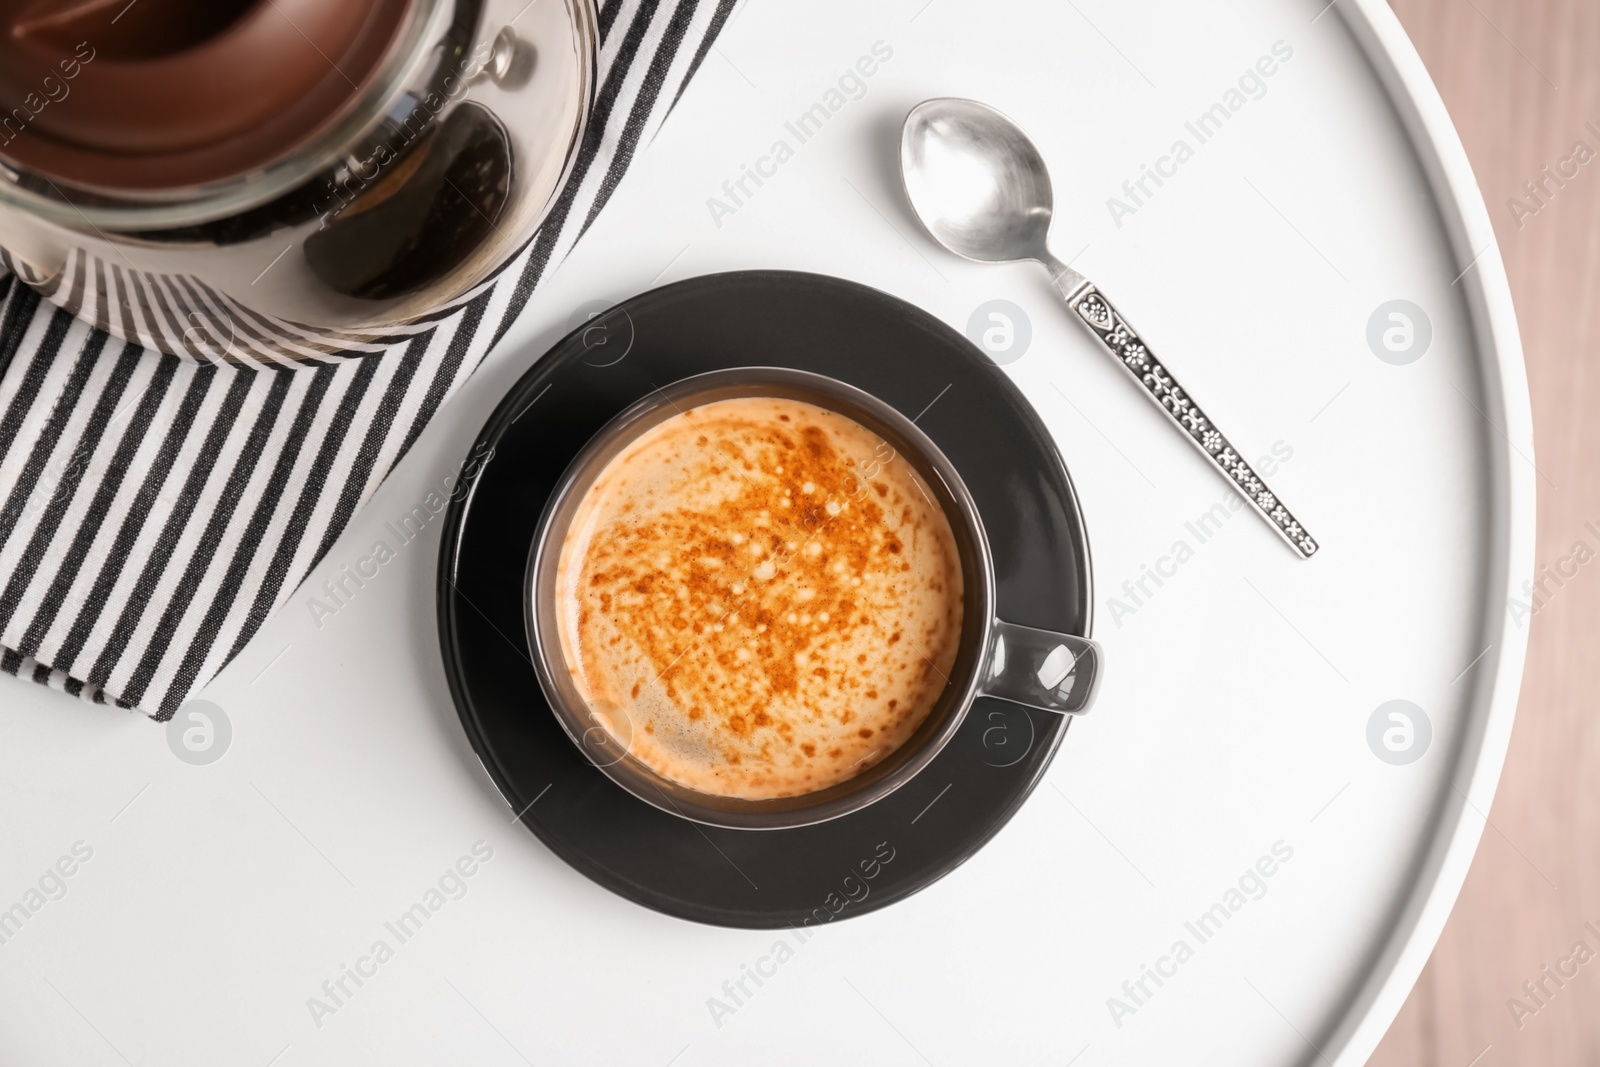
x=155 y=510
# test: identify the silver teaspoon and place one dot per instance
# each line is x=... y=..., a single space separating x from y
x=982 y=190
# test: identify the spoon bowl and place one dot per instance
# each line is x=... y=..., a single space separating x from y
x=976 y=181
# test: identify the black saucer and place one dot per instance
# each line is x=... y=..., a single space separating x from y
x=899 y=353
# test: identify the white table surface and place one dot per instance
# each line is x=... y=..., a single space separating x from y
x=219 y=898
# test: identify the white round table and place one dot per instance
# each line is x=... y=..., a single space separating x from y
x=1223 y=865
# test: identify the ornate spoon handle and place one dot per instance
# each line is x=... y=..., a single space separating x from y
x=1119 y=339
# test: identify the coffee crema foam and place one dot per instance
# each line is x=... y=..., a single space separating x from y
x=759 y=598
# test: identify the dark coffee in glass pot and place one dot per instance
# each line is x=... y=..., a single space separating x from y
x=271 y=180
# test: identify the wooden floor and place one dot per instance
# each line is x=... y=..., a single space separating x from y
x=1521 y=79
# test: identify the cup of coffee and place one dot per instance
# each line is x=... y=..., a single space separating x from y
x=762 y=598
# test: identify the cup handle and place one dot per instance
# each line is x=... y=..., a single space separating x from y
x=1041 y=669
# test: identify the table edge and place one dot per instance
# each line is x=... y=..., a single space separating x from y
x=1374 y=998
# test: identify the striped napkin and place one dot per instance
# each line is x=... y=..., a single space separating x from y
x=155 y=510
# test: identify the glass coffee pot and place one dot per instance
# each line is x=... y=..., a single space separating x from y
x=271 y=181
